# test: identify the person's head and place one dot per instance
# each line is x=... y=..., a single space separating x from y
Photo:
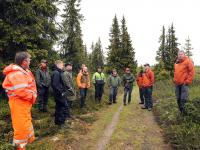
x=146 y=66
x=23 y=59
x=82 y=66
x=85 y=69
x=68 y=66
x=44 y=63
x=59 y=64
x=181 y=55
x=99 y=69
x=127 y=70
x=114 y=72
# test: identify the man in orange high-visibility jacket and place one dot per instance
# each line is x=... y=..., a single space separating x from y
x=183 y=76
x=20 y=86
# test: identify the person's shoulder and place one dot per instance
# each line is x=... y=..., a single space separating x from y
x=55 y=72
x=80 y=74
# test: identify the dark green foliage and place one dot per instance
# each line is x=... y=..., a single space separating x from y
x=121 y=52
x=72 y=43
x=171 y=50
x=183 y=131
x=114 y=48
x=168 y=51
x=27 y=25
x=97 y=57
x=161 y=51
x=160 y=72
x=127 y=56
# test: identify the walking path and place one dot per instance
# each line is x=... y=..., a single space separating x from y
x=124 y=128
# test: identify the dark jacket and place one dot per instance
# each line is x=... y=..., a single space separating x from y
x=128 y=80
x=57 y=82
x=43 y=78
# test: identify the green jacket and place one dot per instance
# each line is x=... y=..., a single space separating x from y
x=68 y=80
x=70 y=92
x=128 y=80
x=43 y=78
x=98 y=78
x=114 y=81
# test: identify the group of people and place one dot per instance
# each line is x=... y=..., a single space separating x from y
x=22 y=89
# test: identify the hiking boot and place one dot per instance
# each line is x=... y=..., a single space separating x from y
x=149 y=109
x=124 y=104
x=141 y=103
x=115 y=102
x=143 y=107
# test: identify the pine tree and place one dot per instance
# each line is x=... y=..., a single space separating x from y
x=127 y=54
x=114 y=48
x=188 y=47
x=97 y=57
x=73 y=44
x=161 y=51
x=171 y=51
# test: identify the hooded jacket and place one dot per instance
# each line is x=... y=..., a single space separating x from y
x=19 y=83
x=184 y=71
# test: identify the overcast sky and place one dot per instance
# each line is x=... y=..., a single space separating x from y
x=145 y=19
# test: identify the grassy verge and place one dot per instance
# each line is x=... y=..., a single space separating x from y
x=47 y=134
x=183 y=131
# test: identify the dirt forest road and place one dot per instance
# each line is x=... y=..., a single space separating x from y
x=124 y=128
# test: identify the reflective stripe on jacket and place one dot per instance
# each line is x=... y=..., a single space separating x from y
x=19 y=83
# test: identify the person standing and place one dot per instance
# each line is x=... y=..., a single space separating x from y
x=183 y=76
x=83 y=82
x=69 y=84
x=43 y=81
x=20 y=86
x=140 y=85
x=128 y=80
x=114 y=83
x=148 y=81
x=62 y=108
x=98 y=81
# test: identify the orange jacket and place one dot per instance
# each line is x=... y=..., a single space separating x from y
x=83 y=81
x=148 y=78
x=19 y=84
x=21 y=90
x=184 y=71
x=139 y=80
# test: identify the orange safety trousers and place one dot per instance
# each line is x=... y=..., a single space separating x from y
x=21 y=122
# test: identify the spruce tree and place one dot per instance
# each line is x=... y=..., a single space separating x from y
x=97 y=57
x=161 y=51
x=188 y=47
x=171 y=51
x=114 y=48
x=72 y=40
x=27 y=25
x=126 y=54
